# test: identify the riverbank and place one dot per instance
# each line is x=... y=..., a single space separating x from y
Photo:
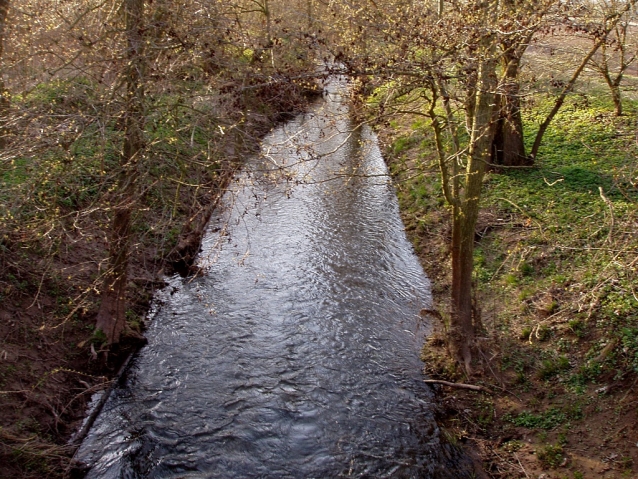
x=55 y=238
x=555 y=268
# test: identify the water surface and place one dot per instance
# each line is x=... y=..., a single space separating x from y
x=297 y=354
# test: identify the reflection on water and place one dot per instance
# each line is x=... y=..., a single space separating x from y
x=296 y=354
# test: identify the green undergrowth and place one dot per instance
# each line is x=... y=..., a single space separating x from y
x=57 y=193
x=555 y=266
x=70 y=162
x=563 y=258
x=558 y=241
x=546 y=420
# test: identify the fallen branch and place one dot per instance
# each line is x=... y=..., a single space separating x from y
x=432 y=312
x=540 y=227
x=458 y=385
x=21 y=391
x=606 y=350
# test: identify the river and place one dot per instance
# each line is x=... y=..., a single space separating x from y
x=296 y=354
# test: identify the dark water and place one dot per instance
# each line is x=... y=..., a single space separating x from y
x=296 y=355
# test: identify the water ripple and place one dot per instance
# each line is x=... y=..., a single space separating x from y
x=296 y=355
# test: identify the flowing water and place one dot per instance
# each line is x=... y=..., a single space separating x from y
x=296 y=354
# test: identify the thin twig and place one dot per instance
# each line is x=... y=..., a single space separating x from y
x=35 y=299
x=540 y=227
x=522 y=468
x=536 y=329
x=611 y=214
x=628 y=391
x=500 y=380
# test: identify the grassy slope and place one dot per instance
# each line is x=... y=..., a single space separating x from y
x=555 y=266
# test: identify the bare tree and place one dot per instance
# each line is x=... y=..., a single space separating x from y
x=518 y=23
x=599 y=30
x=462 y=187
x=4 y=100
x=617 y=54
x=111 y=318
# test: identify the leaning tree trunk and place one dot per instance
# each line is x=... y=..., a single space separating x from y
x=111 y=318
x=603 y=69
x=508 y=147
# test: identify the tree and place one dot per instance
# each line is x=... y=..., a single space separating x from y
x=443 y=66
x=616 y=56
x=194 y=45
x=462 y=190
x=519 y=22
x=111 y=318
x=4 y=100
x=599 y=30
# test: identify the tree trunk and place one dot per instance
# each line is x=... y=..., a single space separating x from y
x=4 y=10
x=603 y=68
x=4 y=97
x=266 y=12
x=462 y=327
x=508 y=148
x=111 y=318
x=614 y=87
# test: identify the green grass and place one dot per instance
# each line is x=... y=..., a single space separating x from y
x=556 y=267
x=579 y=207
x=553 y=366
x=551 y=455
x=546 y=420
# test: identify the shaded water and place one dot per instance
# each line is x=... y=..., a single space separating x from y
x=296 y=354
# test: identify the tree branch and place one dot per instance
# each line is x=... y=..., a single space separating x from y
x=471 y=387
